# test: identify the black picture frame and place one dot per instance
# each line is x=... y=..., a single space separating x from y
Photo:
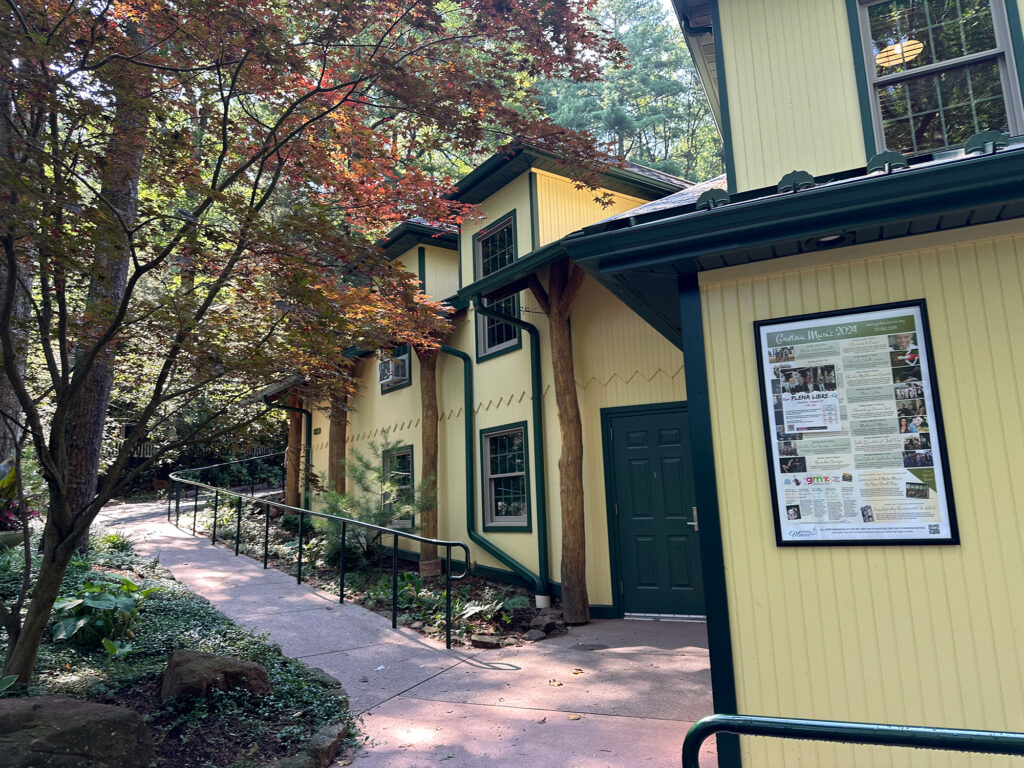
x=788 y=532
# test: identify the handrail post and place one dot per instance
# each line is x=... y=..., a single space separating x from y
x=238 y=523
x=448 y=597
x=195 y=510
x=341 y=564
x=169 y=484
x=266 y=533
x=394 y=584
x=177 y=503
x=216 y=502
x=302 y=518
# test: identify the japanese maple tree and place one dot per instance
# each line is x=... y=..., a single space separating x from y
x=189 y=193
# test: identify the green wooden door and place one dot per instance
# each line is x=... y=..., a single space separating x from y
x=653 y=511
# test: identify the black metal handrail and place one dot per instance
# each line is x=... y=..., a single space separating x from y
x=176 y=482
x=875 y=734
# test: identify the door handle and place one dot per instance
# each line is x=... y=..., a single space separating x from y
x=695 y=524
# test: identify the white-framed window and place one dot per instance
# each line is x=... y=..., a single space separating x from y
x=400 y=491
x=495 y=248
x=939 y=71
x=506 y=480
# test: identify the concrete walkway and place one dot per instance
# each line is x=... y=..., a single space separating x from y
x=612 y=693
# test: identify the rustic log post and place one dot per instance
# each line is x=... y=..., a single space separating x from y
x=429 y=564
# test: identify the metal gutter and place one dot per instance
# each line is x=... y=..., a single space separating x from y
x=540 y=483
x=518 y=568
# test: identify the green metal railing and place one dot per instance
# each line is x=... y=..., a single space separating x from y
x=218 y=493
x=875 y=734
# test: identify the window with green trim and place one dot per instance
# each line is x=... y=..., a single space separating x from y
x=506 y=487
x=938 y=72
x=399 y=493
x=495 y=249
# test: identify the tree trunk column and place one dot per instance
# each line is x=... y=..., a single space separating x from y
x=293 y=455
x=429 y=564
x=336 y=446
x=562 y=289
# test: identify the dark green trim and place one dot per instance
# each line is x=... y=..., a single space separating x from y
x=409 y=233
x=385 y=458
x=603 y=612
x=723 y=680
x=534 y=214
x=477 y=237
x=505 y=577
x=478 y=329
x=723 y=100
x=459 y=252
x=388 y=390
x=537 y=403
x=512 y=278
x=611 y=492
x=871 y=207
x=521 y=570
x=860 y=69
x=484 y=434
x=486 y=232
x=421 y=254
x=1013 y=21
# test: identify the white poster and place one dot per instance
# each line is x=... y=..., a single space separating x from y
x=854 y=442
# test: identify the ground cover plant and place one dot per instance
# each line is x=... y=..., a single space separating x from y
x=225 y=730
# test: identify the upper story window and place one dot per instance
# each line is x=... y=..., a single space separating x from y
x=938 y=72
x=495 y=248
x=393 y=371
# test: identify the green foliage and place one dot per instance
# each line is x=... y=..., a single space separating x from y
x=101 y=615
x=117 y=541
x=381 y=498
x=497 y=605
x=7 y=682
x=651 y=109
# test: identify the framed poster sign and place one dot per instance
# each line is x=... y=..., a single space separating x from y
x=853 y=428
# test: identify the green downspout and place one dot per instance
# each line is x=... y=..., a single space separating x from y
x=308 y=420
x=521 y=570
x=538 y=435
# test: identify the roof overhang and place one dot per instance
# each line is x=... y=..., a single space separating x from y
x=512 y=161
x=696 y=20
x=638 y=263
x=409 y=234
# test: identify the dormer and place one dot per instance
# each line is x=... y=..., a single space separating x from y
x=824 y=85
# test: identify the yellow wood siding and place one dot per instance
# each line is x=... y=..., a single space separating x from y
x=562 y=208
x=898 y=634
x=442 y=272
x=792 y=89
x=321 y=421
x=513 y=196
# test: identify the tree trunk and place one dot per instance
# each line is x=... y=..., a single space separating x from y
x=429 y=564
x=293 y=455
x=23 y=642
x=73 y=503
x=562 y=289
x=336 y=446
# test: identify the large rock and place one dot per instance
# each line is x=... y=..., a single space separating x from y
x=58 y=732
x=193 y=673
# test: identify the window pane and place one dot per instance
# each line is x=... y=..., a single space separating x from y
x=498 y=332
x=960 y=124
x=992 y=116
x=893 y=100
x=911 y=33
x=509 y=494
x=924 y=94
x=497 y=250
x=507 y=453
x=898 y=136
x=928 y=133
